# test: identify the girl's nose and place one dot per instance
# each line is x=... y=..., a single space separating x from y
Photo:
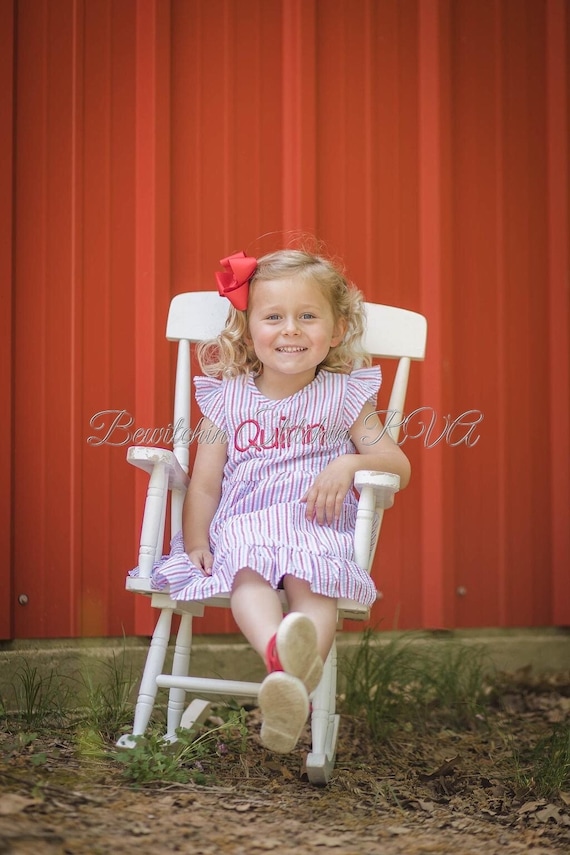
x=291 y=327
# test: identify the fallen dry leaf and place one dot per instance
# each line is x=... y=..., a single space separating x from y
x=552 y=812
x=531 y=807
x=326 y=840
x=429 y=807
x=398 y=829
x=11 y=803
x=447 y=768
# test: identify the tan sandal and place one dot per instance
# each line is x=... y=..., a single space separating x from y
x=296 y=646
x=284 y=705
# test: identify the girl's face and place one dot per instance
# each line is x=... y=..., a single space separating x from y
x=292 y=328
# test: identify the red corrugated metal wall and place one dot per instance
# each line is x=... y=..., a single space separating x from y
x=424 y=141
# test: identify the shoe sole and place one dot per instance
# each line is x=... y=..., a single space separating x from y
x=296 y=644
x=284 y=705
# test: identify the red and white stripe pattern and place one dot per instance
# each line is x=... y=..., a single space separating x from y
x=275 y=451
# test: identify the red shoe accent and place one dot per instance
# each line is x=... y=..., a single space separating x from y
x=271 y=658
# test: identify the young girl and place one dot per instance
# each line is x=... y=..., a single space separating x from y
x=289 y=417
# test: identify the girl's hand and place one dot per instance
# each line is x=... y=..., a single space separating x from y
x=202 y=558
x=325 y=498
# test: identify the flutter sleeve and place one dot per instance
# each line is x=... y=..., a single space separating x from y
x=210 y=398
x=362 y=386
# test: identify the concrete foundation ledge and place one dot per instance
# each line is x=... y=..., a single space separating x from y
x=542 y=650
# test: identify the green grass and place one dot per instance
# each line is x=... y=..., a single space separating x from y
x=38 y=698
x=154 y=760
x=545 y=771
x=406 y=683
x=91 y=711
x=418 y=685
x=108 y=692
x=99 y=699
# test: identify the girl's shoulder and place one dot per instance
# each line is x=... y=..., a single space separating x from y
x=369 y=379
x=208 y=390
x=205 y=385
x=214 y=395
x=359 y=387
x=210 y=397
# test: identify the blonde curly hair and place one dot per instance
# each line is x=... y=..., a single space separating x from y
x=232 y=354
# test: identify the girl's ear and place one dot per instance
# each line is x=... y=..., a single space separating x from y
x=339 y=332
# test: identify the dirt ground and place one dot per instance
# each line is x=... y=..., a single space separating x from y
x=438 y=791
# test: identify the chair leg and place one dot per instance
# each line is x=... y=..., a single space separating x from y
x=196 y=712
x=324 y=725
x=180 y=668
x=148 y=688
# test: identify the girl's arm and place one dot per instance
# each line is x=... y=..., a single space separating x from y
x=203 y=497
x=376 y=451
x=373 y=441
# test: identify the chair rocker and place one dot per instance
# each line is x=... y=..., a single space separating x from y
x=391 y=333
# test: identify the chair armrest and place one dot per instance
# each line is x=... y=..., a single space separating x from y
x=377 y=491
x=166 y=474
x=384 y=486
x=146 y=458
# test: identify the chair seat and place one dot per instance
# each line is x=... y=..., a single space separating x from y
x=347 y=609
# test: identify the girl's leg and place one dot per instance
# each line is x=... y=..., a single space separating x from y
x=322 y=611
x=256 y=608
x=283 y=698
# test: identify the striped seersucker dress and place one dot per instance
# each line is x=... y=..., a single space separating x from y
x=275 y=451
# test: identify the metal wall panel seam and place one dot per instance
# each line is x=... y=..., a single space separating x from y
x=153 y=43
x=558 y=63
x=432 y=524
x=7 y=82
x=76 y=310
x=501 y=434
x=298 y=99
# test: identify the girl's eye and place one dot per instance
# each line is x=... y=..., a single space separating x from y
x=307 y=316
x=273 y=317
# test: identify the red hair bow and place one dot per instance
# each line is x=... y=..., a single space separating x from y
x=233 y=283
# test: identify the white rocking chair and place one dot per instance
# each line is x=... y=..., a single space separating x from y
x=391 y=333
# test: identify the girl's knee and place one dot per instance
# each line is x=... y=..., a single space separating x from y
x=248 y=576
x=300 y=589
